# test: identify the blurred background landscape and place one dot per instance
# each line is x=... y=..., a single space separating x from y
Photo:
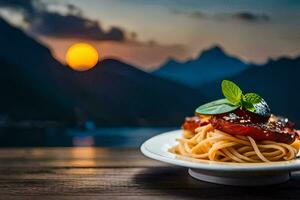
x=158 y=61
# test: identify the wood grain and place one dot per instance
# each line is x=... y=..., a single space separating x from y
x=97 y=173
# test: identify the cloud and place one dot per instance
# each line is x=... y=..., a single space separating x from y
x=42 y=21
x=241 y=16
x=24 y=6
x=250 y=17
x=192 y=14
x=57 y=25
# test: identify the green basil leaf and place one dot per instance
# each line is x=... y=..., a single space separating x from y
x=232 y=92
x=252 y=98
x=216 y=107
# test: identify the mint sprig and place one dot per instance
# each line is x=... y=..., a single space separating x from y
x=234 y=99
x=249 y=100
x=231 y=92
x=252 y=98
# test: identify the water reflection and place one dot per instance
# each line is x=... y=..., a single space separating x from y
x=84 y=157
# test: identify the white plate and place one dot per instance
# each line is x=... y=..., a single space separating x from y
x=217 y=172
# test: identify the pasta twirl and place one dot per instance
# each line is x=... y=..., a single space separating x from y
x=211 y=144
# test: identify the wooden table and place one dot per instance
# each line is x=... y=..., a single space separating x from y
x=99 y=173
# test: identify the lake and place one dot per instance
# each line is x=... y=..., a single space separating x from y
x=101 y=137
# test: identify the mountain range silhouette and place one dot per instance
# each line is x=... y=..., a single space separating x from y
x=35 y=86
x=212 y=64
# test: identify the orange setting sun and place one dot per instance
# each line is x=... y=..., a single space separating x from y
x=82 y=56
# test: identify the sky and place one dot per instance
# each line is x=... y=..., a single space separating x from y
x=148 y=33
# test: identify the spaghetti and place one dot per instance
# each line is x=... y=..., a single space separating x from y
x=212 y=144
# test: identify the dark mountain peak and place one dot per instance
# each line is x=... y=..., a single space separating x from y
x=170 y=61
x=111 y=64
x=213 y=52
x=212 y=63
x=270 y=60
x=15 y=41
x=216 y=48
x=111 y=61
x=282 y=60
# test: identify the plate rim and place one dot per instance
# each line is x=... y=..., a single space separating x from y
x=214 y=166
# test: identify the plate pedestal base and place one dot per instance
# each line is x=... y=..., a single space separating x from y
x=240 y=179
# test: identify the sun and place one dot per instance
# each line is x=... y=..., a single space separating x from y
x=82 y=56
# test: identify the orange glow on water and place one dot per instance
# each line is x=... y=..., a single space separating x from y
x=82 y=56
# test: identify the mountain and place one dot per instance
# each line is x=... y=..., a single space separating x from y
x=34 y=85
x=125 y=95
x=277 y=82
x=29 y=86
x=212 y=64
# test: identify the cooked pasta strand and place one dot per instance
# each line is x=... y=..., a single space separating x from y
x=212 y=144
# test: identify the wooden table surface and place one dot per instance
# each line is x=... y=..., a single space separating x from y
x=99 y=173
